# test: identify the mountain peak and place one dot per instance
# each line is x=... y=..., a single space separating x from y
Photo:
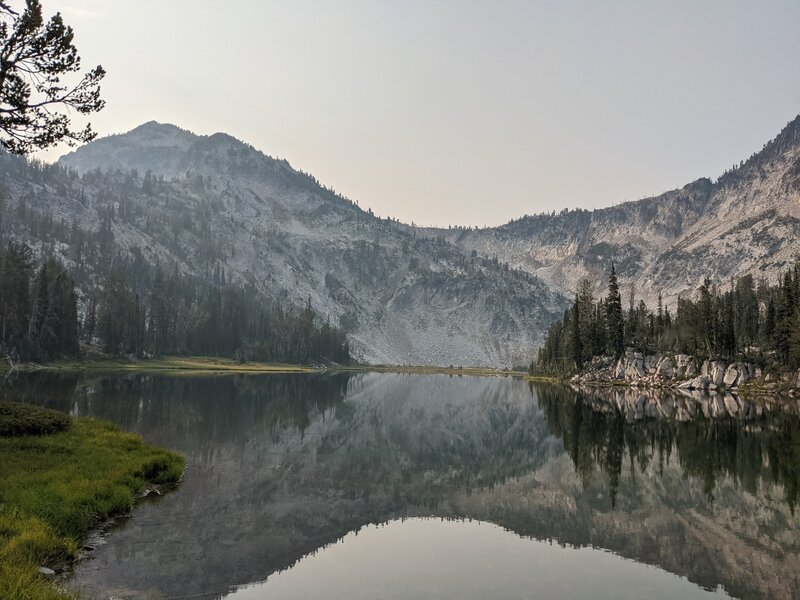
x=788 y=138
x=155 y=127
x=152 y=146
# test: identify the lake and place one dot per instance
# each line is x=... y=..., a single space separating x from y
x=434 y=486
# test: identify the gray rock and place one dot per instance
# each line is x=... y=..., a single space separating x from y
x=665 y=368
x=698 y=383
x=716 y=372
x=746 y=371
x=46 y=572
x=690 y=369
x=731 y=377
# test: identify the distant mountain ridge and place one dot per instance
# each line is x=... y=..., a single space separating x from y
x=208 y=204
x=212 y=206
x=747 y=221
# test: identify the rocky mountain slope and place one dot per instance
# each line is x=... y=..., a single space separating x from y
x=747 y=221
x=212 y=204
x=214 y=207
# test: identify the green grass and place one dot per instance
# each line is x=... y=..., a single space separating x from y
x=175 y=364
x=205 y=365
x=55 y=488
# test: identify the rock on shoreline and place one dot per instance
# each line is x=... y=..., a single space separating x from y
x=680 y=371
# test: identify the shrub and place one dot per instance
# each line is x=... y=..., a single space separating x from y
x=17 y=419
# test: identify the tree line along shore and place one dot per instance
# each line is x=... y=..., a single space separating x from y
x=744 y=334
x=139 y=310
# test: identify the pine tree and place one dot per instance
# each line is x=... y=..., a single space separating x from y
x=706 y=319
x=727 y=333
x=575 y=335
x=614 y=319
x=785 y=318
x=36 y=56
x=586 y=319
x=16 y=272
x=659 y=321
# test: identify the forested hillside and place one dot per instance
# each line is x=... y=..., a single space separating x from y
x=746 y=320
x=211 y=212
x=139 y=310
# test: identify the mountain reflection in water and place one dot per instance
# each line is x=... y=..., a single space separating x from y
x=283 y=465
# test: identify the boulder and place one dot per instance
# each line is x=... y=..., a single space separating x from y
x=698 y=383
x=665 y=368
x=619 y=369
x=634 y=370
x=690 y=369
x=46 y=572
x=746 y=371
x=684 y=366
x=716 y=372
x=731 y=377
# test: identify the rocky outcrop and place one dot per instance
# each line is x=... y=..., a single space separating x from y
x=747 y=221
x=680 y=371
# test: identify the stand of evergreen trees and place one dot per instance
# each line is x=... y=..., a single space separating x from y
x=38 y=307
x=138 y=309
x=750 y=320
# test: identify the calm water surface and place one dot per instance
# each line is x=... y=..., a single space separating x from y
x=403 y=486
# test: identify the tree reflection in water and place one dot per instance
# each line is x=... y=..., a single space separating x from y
x=282 y=465
x=752 y=443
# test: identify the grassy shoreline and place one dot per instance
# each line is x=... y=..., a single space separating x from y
x=54 y=489
x=216 y=365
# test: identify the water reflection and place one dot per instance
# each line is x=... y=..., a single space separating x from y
x=280 y=466
x=712 y=437
x=402 y=559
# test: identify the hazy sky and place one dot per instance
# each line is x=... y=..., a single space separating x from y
x=458 y=112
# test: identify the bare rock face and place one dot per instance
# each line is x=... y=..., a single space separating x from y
x=747 y=221
x=201 y=204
